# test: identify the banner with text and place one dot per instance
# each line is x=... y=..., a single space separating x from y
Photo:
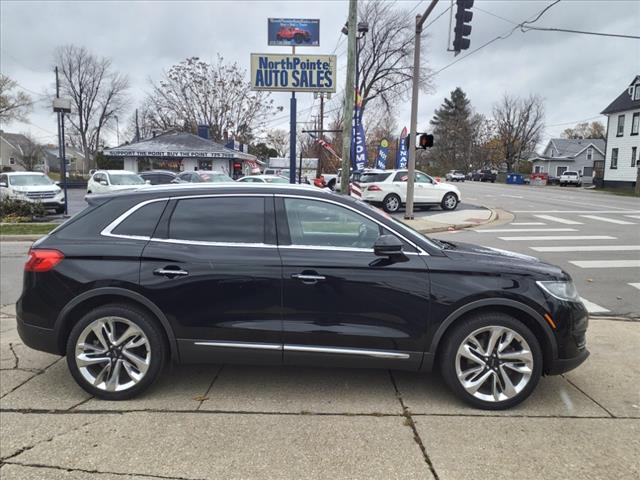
x=402 y=157
x=383 y=152
x=358 y=141
x=293 y=73
x=304 y=32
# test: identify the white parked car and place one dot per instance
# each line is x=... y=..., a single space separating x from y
x=106 y=181
x=388 y=188
x=570 y=178
x=32 y=187
x=455 y=176
x=263 y=179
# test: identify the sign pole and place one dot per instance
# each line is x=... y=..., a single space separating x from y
x=347 y=126
x=292 y=133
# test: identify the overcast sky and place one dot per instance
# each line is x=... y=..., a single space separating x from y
x=577 y=75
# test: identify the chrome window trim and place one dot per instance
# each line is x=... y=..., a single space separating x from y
x=107 y=231
x=346 y=351
x=257 y=346
x=204 y=243
x=421 y=251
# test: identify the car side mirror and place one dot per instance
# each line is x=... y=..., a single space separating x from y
x=387 y=246
x=104 y=182
x=3 y=184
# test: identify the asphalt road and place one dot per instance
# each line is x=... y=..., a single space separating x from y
x=595 y=236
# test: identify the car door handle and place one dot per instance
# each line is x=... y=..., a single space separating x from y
x=170 y=272
x=308 y=278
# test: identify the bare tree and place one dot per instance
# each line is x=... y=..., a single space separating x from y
x=32 y=153
x=13 y=105
x=279 y=141
x=97 y=93
x=386 y=55
x=218 y=95
x=585 y=130
x=519 y=124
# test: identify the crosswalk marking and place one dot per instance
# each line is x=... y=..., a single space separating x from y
x=510 y=230
x=593 y=307
x=635 y=285
x=633 y=216
x=609 y=220
x=527 y=223
x=622 y=211
x=558 y=219
x=562 y=237
x=606 y=263
x=589 y=248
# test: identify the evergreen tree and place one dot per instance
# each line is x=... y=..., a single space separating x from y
x=453 y=129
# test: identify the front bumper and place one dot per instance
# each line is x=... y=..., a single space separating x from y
x=562 y=365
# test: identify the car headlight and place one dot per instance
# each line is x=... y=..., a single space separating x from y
x=561 y=290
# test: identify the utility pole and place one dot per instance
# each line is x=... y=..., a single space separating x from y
x=321 y=154
x=348 y=97
x=420 y=19
x=137 y=127
x=61 y=149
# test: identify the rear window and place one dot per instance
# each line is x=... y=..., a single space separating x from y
x=374 y=177
x=219 y=219
x=142 y=222
x=571 y=173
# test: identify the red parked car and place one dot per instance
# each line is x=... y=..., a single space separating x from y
x=296 y=34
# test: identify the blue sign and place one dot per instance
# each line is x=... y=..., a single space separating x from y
x=293 y=73
x=402 y=158
x=383 y=152
x=290 y=32
x=358 y=140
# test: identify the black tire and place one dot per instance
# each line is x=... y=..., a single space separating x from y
x=465 y=328
x=449 y=201
x=391 y=203
x=59 y=210
x=493 y=181
x=142 y=320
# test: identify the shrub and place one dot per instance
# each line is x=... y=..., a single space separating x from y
x=20 y=210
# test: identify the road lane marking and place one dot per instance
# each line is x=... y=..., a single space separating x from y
x=575 y=211
x=562 y=237
x=609 y=220
x=527 y=223
x=593 y=307
x=589 y=248
x=606 y=263
x=509 y=230
x=635 y=285
x=633 y=216
x=558 y=219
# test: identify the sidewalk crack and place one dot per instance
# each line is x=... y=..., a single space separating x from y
x=589 y=397
x=206 y=394
x=408 y=421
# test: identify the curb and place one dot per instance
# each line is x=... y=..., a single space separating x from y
x=20 y=238
x=497 y=215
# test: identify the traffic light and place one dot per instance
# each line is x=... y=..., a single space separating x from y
x=462 y=29
x=426 y=141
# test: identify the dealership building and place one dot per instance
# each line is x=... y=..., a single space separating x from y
x=180 y=151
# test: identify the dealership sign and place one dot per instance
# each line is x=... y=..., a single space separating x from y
x=169 y=154
x=293 y=73
x=294 y=31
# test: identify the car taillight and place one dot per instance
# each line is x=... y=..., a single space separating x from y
x=374 y=188
x=42 y=260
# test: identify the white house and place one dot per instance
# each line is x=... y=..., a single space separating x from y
x=623 y=139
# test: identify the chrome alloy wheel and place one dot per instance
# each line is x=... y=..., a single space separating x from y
x=392 y=203
x=450 y=201
x=494 y=363
x=113 y=354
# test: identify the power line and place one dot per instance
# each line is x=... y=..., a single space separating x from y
x=574 y=122
x=583 y=32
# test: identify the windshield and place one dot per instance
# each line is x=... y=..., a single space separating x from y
x=374 y=177
x=126 y=179
x=215 y=177
x=29 y=180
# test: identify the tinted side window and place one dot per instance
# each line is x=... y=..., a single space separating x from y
x=401 y=177
x=142 y=222
x=219 y=219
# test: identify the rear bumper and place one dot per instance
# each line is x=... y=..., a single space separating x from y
x=38 y=338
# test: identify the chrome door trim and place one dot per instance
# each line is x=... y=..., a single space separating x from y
x=346 y=351
x=256 y=346
x=421 y=251
x=212 y=244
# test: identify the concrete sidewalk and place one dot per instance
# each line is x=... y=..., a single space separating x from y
x=209 y=422
x=458 y=220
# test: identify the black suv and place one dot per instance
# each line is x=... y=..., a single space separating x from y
x=484 y=176
x=272 y=274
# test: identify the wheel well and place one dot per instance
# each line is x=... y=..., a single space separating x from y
x=80 y=310
x=524 y=317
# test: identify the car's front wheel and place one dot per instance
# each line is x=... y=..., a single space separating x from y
x=492 y=361
x=449 y=201
x=391 y=203
x=115 y=351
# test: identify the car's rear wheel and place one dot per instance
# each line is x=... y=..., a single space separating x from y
x=491 y=361
x=391 y=203
x=449 y=201
x=114 y=352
